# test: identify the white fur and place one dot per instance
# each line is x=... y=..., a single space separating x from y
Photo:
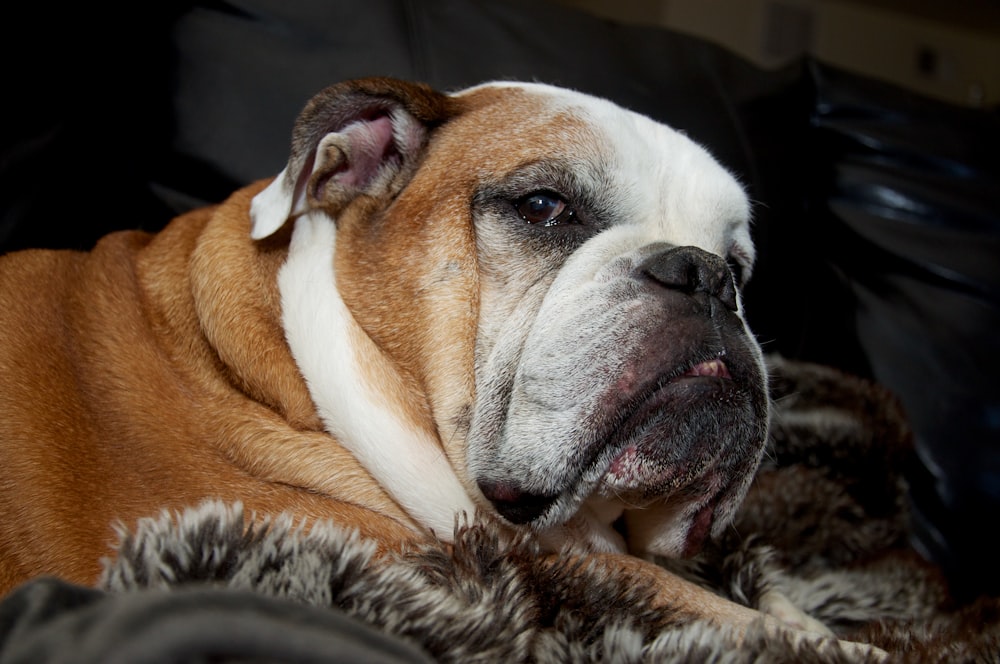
x=676 y=190
x=271 y=208
x=409 y=463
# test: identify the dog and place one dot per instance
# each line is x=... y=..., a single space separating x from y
x=516 y=299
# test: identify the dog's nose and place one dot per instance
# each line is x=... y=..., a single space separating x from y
x=692 y=270
x=516 y=506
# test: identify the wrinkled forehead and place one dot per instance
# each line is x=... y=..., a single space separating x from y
x=659 y=178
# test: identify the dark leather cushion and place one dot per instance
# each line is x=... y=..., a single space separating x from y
x=906 y=205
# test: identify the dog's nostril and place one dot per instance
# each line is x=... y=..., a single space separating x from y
x=692 y=270
x=516 y=506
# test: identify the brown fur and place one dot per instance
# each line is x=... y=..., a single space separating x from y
x=120 y=365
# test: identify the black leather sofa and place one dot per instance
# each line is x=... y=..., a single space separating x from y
x=877 y=217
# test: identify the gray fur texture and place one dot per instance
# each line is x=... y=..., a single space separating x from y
x=825 y=524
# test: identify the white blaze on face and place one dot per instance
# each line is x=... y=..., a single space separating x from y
x=666 y=187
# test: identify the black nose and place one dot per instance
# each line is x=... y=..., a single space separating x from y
x=514 y=505
x=692 y=270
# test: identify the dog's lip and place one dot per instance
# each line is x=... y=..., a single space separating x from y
x=715 y=367
x=699 y=530
x=609 y=473
x=623 y=457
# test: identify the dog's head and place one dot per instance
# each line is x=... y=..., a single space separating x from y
x=552 y=287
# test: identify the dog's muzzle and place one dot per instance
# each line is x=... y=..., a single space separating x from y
x=669 y=403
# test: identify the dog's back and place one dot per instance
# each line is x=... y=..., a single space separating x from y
x=107 y=414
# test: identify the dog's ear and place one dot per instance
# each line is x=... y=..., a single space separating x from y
x=362 y=137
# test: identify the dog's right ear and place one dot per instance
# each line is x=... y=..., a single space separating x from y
x=359 y=138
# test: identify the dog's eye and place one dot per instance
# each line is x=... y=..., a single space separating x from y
x=739 y=272
x=544 y=208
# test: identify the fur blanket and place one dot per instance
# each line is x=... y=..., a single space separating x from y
x=825 y=524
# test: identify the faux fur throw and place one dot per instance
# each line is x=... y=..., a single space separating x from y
x=825 y=524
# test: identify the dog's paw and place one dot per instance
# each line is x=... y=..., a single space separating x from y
x=803 y=626
x=776 y=605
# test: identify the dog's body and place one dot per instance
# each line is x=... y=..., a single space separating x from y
x=515 y=298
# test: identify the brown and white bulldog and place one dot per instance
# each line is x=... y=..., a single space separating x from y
x=514 y=298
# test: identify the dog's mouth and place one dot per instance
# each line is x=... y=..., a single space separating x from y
x=627 y=392
x=651 y=452
x=636 y=471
